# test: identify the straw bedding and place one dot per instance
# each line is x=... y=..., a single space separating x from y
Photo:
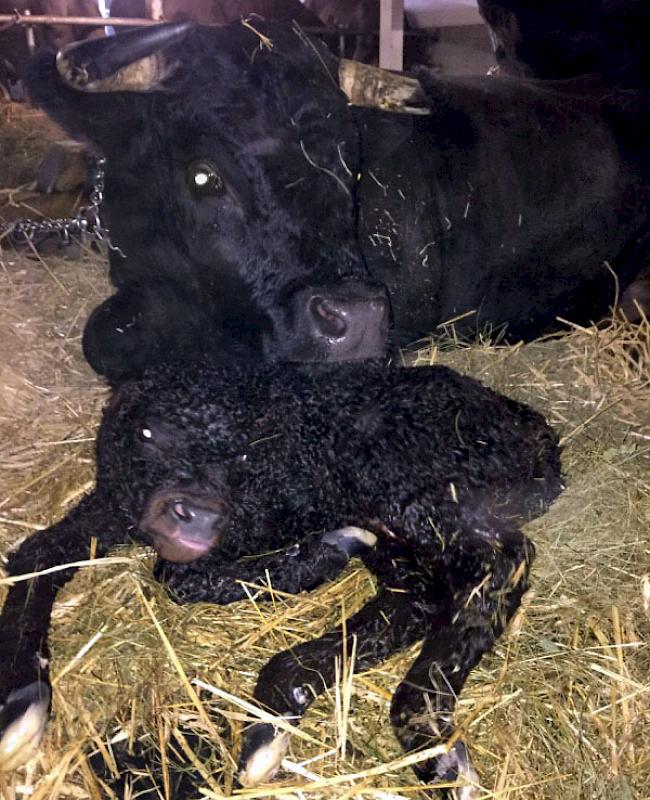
x=561 y=708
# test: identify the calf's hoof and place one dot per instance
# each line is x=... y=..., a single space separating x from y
x=350 y=540
x=22 y=723
x=456 y=766
x=262 y=753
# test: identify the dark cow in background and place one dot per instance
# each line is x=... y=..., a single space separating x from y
x=557 y=39
x=250 y=199
x=360 y=16
x=561 y=39
x=424 y=473
x=14 y=50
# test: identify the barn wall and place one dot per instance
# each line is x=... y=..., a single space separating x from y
x=463 y=50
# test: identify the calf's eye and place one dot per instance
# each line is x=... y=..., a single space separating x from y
x=143 y=434
x=204 y=179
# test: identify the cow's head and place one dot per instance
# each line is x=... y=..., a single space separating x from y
x=232 y=160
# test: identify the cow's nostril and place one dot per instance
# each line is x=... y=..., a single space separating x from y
x=182 y=512
x=328 y=318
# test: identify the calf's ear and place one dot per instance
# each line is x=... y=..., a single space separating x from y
x=381 y=133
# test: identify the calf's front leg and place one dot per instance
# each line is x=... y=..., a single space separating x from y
x=25 y=692
x=319 y=558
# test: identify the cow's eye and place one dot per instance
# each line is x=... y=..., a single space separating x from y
x=144 y=434
x=204 y=179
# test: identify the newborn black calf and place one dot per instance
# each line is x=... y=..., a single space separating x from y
x=424 y=473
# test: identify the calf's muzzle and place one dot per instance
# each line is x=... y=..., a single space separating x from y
x=183 y=524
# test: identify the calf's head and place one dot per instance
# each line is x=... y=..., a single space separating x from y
x=169 y=471
x=232 y=163
x=177 y=460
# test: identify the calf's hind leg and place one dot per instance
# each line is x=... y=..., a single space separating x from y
x=460 y=605
x=459 y=633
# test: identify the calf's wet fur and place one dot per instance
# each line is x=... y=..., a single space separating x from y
x=281 y=474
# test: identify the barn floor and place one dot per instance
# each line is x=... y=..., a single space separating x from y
x=561 y=709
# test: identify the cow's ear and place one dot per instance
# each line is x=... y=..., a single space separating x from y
x=97 y=119
x=381 y=133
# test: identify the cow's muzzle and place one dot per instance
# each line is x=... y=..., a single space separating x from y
x=340 y=324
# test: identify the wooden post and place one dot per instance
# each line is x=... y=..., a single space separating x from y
x=29 y=34
x=391 y=34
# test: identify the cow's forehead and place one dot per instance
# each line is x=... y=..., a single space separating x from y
x=237 y=58
x=236 y=88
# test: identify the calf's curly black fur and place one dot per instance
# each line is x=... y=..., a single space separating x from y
x=424 y=473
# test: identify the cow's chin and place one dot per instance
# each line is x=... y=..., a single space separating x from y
x=182 y=550
x=325 y=350
x=367 y=344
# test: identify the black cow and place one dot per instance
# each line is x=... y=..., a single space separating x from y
x=247 y=195
x=559 y=39
x=423 y=472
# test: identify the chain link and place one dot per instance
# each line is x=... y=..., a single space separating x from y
x=87 y=221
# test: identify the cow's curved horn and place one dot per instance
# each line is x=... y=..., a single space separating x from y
x=365 y=85
x=130 y=62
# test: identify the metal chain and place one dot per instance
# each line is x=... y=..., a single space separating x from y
x=87 y=220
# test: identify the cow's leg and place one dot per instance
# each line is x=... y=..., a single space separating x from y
x=140 y=326
x=300 y=568
x=291 y=680
x=114 y=342
x=25 y=691
x=459 y=632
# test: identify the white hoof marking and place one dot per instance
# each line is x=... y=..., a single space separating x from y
x=361 y=535
x=466 y=772
x=21 y=739
x=264 y=763
x=365 y=537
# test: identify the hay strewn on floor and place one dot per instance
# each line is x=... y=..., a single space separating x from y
x=560 y=710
